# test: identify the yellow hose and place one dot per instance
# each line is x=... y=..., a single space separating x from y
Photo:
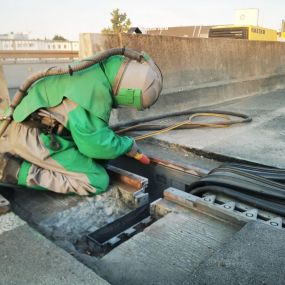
x=187 y=122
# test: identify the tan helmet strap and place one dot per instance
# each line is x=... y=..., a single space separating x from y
x=119 y=75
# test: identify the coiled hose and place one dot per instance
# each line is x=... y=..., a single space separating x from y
x=81 y=65
x=143 y=124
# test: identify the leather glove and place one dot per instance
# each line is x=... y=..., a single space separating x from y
x=133 y=151
x=137 y=154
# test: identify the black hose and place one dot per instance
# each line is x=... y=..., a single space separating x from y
x=81 y=65
x=244 y=119
x=254 y=201
x=248 y=177
x=246 y=187
x=261 y=187
x=270 y=173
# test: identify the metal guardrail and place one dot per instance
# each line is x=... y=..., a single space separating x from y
x=38 y=54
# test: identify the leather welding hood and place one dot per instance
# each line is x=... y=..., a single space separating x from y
x=138 y=85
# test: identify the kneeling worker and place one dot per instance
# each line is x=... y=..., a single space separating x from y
x=59 y=131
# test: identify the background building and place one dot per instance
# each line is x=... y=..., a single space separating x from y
x=183 y=31
x=14 y=36
x=11 y=44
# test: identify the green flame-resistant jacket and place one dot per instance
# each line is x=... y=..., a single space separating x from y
x=91 y=89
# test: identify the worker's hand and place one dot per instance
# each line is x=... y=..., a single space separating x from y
x=137 y=154
x=133 y=150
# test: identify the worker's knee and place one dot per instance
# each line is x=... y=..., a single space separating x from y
x=100 y=181
x=104 y=183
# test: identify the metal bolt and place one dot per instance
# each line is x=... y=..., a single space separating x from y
x=249 y=214
x=274 y=224
x=227 y=206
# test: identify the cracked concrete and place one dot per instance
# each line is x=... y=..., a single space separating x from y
x=67 y=220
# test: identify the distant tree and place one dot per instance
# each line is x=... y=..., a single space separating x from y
x=59 y=38
x=120 y=23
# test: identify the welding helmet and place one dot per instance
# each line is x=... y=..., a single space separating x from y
x=138 y=83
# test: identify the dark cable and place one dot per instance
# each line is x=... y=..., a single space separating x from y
x=270 y=173
x=241 y=184
x=253 y=201
x=245 y=118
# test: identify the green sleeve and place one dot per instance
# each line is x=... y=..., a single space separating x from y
x=93 y=136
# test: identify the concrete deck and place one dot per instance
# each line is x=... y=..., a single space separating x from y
x=262 y=141
x=167 y=251
x=255 y=255
x=29 y=258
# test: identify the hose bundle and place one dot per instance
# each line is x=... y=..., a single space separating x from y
x=81 y=65
x=144 y=125
x=256 y=186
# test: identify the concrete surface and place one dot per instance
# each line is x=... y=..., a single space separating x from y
x=192 y=61
x=4 y=95
x=67 y=219
x=28 y=258
x=262 y=141
x=9 y=222
x=199 y=72
x=255 y=255
x=16 y=73
x=38 y=207
x=167 y=251
x=176 y=155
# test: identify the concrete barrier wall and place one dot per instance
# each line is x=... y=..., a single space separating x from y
x=189 y=62
x=201 y=71
x=4 y=95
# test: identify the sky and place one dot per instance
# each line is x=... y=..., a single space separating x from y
x=45 y=18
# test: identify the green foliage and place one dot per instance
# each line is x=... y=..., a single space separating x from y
x=120 y=23
x=59 y=38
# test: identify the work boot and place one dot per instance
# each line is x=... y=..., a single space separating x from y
x=9 y=169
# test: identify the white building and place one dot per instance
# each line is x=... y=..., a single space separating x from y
x=44 y=45
x=14 y=36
